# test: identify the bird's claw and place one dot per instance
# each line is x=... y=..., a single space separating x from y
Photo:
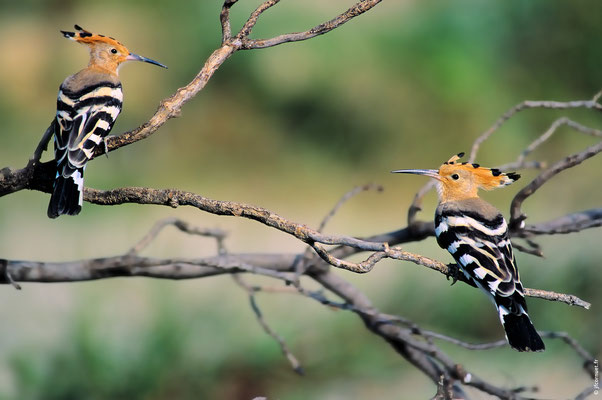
x=454 y=272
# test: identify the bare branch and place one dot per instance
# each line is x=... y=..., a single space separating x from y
x=569 y=223
x=516 y=215
x=175 y=198
x=552 y=129
x=525 y=105
x=171 y=106
x=259 y=315
x=273 y=265
x=224 y=18
x=399 y=254
x=345 y=198
x=357 y=9
x=534 y=249
x=308 y=255
x=360 y=268
x=250 y=24
x=553 y=296
x=183 y=226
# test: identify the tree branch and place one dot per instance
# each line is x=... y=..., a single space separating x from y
x=357 y=9
x=569 y=223
x=528 y=104
x=516 y=216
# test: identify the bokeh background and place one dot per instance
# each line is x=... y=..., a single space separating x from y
x=291 y=129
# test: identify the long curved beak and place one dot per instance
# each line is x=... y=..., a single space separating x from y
x=433 y=173
x=136 y=57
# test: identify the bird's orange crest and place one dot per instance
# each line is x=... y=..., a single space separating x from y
x=85 y=37
x=485 y=178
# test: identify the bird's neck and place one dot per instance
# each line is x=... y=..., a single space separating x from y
x=447 y=194
x=103 y=68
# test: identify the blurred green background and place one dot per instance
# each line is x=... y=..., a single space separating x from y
x=292 y=128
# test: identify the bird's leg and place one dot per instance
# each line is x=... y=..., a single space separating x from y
x=104 y=141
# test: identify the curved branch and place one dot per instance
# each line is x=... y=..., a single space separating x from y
x=171 y=106
x=357 y=9
x=175 y=198
x=528 y=104
x=516 y=216
x=570 y=223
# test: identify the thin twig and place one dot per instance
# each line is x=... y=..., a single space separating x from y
x=250 y=24
x=345 y=198
x=552 y=129
x=259 y=315
x=360 y=268
x=584 y=354
x=183 y=226
x=525 y=105
x=534 y=249
x=307 y=256
x=357 y=9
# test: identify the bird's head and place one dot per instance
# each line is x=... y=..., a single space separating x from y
x=457 y=181
x=106 y=53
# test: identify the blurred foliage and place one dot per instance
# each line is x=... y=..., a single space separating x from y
x=291 y=128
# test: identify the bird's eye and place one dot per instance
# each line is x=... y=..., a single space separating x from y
x=455 y=177
x=114 y=51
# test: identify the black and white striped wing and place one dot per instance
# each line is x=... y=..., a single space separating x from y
x=85 y=118
x=482 y=249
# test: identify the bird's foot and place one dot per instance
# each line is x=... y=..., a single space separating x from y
x=453 y=273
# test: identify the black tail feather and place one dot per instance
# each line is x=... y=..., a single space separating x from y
x=65 y=197
x=521 y=333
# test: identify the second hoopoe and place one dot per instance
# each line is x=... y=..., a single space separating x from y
x=87 y=106
x=476 y=234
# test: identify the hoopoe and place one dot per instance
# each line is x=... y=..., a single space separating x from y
x=476 y=234
x=88 y=104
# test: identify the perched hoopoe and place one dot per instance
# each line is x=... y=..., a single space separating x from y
x=88 y=104
x=476 y=234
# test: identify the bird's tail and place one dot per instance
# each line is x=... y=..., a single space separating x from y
x=520 y=332
x=67 y=194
